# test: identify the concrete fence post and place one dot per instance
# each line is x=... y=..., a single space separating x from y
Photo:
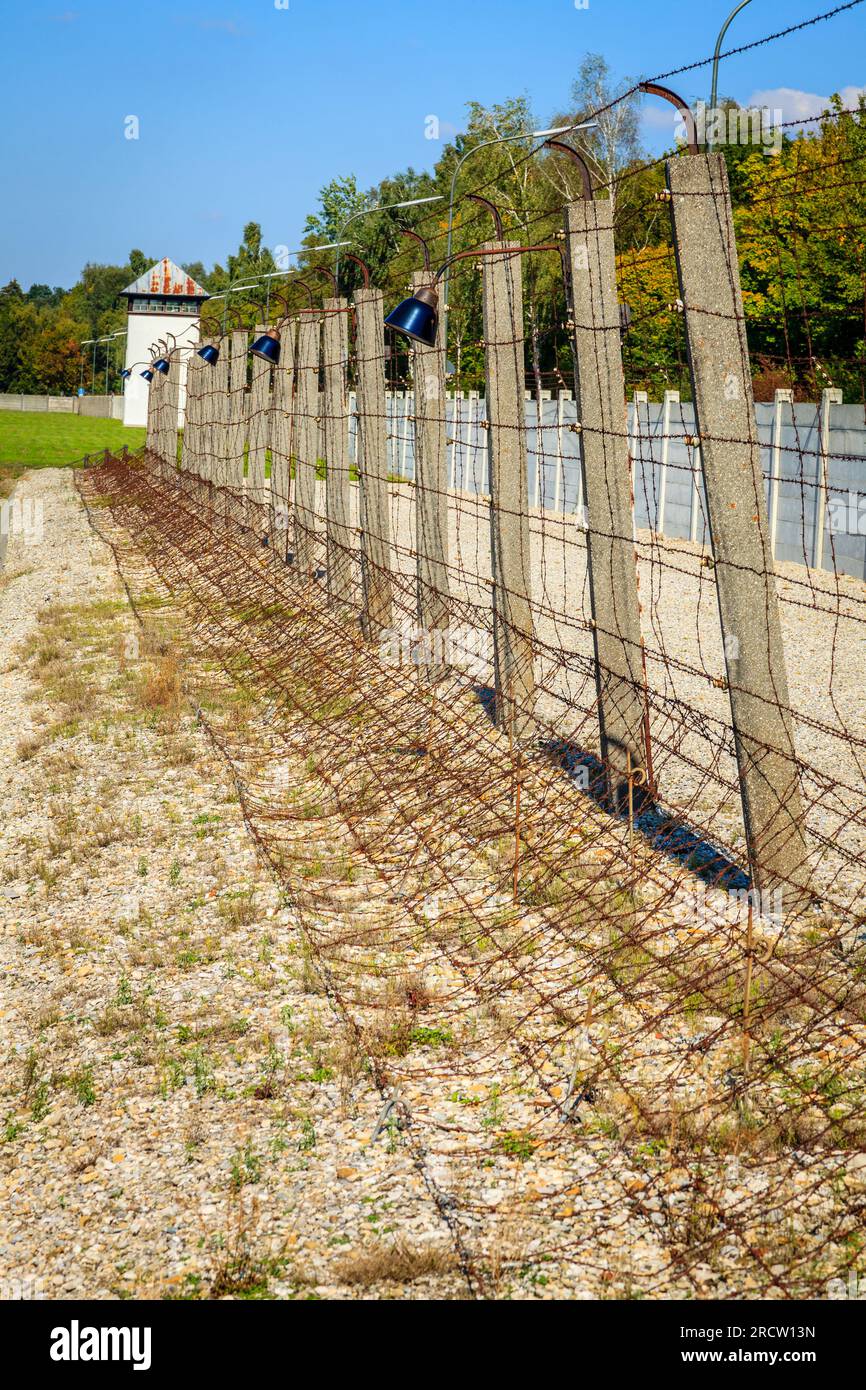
x=335 y=408
x=635 y=453
x=371 y=453
x=431 y=496
x=831 y=395
x=709 y=282
x=513 y=636
x=237 y=427
x=455 y=398
x=306 y=440
x=258 y=430
x=171 y=409
x=671 y=398
x=604 y=452
x=405 y=408
x=781 y=398
x=281 y=439
x=151 y=435
x=559 y=478
x=217 y=408
x=191 y=460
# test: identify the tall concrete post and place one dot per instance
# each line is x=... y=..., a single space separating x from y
x=509 y=493
x=154 y=415
x=281 y=438
x=431 y=495
x=603 y=420
x=372 y=463
x=237 y=429
x=191 y=459
x=306 y=435
x=338 y=534
x=216 y=411
x=718 y=352
x=172 y=409
x=258 y=422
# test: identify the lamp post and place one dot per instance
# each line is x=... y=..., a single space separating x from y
x=109 y=353
x=382 y=207
x=714 y=88
x=85 y=342
x=483 y=145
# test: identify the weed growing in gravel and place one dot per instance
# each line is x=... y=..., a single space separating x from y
x=245 y=1166
x=82 y=1086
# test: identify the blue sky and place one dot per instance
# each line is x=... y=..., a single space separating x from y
x=245 y=110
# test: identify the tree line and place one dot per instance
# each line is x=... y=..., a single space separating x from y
x=799 y=210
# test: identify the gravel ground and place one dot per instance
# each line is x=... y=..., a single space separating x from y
x=170 y=1119
x=187 y=1115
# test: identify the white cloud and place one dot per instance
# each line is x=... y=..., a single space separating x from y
x=800 y=106
x=658 y=116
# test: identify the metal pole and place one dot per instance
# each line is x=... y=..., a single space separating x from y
x=715 y=83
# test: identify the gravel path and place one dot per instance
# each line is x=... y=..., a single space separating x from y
x=180 y=1113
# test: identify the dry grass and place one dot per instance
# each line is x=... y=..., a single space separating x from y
x=160 y=691
x=395 y=1264
x=27 y=747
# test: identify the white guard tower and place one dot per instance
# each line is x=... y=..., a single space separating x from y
x=161 y=301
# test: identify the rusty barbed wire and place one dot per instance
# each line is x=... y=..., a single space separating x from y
x=617 y=1067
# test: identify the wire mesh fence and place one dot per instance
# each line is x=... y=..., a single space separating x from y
x=547 y=714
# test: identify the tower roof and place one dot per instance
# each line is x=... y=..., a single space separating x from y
x=166 y=278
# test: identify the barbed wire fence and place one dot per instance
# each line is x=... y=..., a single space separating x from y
x=569 y=806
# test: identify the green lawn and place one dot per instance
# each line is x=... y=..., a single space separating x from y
x=38 y=439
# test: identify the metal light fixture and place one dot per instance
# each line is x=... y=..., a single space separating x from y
x=209 y=353
x=417 y=317
x=267 y=347
x=125 y=372
x=161 y=365
x=147 y=374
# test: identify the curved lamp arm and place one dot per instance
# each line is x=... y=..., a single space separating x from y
x=656 y=90
x=577 y=159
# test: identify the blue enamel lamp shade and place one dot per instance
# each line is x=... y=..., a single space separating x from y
x=209 y=353
x=161 y=365
x=267 y=347
x=417 y=317
x=147 y=374
x=126 y=373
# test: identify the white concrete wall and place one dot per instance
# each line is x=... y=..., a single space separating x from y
x=142 y=330
x=99 y=407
